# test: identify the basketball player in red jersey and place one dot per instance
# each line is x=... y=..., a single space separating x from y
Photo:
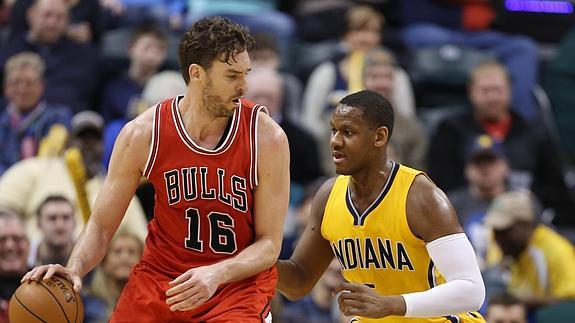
x=220 y=169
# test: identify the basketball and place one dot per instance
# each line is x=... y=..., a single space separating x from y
x=52 y=301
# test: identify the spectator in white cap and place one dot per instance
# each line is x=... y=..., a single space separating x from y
x=539 y=263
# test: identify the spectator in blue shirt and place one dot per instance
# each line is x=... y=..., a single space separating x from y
x=27 y=118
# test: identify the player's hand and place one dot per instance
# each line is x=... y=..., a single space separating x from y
x=46 y=271
x=192 y=288
x=360 y=300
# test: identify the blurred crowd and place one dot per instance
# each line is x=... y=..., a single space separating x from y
x=484 y=108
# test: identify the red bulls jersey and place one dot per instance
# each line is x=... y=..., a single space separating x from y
x=204 y=197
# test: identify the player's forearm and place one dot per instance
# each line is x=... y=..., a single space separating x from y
x=256 y=258
x=90 y=249
x=464 y=290
x=292 y=283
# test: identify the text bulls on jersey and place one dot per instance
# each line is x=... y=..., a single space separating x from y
x=191 y=183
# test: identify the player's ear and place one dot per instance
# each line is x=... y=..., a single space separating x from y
x=196 y=72
x=381 y=136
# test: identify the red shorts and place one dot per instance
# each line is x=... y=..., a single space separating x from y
x=144 y=300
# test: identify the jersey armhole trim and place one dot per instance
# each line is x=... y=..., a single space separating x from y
x=411 y=237
x=254 y=144
x=154 y=144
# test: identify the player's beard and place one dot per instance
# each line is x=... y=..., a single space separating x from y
x=214 y=104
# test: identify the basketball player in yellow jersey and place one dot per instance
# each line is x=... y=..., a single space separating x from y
x=394 y=232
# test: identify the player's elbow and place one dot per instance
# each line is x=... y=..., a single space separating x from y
x=473 y=294
x=294 y=295
x=295 y=291
x=271 y=254
x=479 y=296
x=292 y=281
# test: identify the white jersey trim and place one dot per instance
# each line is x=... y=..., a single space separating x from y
x=154 y=146
x=254 y=144
x=188 y=141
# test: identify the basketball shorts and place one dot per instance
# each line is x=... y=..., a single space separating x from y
x=144 y=300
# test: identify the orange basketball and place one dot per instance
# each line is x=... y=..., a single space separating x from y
x=52 y=301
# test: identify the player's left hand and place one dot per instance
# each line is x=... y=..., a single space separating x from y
x=192 y=288
x=360 y=300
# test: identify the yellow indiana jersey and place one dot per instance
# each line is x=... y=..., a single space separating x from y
x=377 y=248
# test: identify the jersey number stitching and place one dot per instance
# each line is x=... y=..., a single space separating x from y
x=222 y=235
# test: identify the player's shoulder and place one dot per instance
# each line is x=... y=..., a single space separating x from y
x=429 y=212
x=140 y=128
x=270 y=133
x=423 y=193
x=321 y=198
x=325 y=189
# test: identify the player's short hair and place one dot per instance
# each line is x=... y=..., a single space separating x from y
x=376 y=109
x=212 y=38
x=50 y=199
x=25 y=60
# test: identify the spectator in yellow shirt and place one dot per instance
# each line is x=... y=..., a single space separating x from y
x=538 y=264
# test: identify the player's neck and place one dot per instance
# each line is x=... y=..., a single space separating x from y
x=370 y=180
x=205 y=129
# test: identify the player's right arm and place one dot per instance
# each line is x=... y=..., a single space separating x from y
x=126 y=166
x=312 y=254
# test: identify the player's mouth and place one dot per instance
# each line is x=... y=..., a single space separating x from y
x=338 y=157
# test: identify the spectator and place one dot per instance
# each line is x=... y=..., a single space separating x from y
x=84 y=26
x=537 y=264
x=342 y=74
x=111 y=276
x=265 y=87
x=486 y=172
x=27 y=118
x=409 y=140
x=266 y=54
x=14 y=248
x=26 y=184
x=56 y=222
x=71 y=68
x=466 y=23
x=506 y=308
x=147 y=51
x=531 y=155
